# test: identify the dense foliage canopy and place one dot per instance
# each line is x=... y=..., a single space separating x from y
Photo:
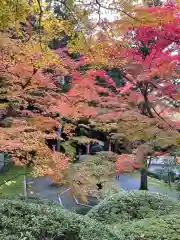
x=44 y=43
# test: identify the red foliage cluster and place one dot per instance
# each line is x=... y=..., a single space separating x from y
x=126 y=163
x=151 y=65
x=150 y=69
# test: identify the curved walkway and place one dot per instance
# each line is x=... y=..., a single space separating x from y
x=44 y=188
x=129 y=182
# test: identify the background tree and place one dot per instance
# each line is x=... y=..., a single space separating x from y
x=142 y=50
x=143 y=137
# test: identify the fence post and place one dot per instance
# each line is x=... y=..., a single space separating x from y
x=110 y=146
x=25 y=186
x=54 y=148
x=88 y=148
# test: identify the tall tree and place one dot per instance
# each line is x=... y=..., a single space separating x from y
x=146 y=49
x=29 y=75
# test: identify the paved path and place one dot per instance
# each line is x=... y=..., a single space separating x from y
x=129 y=182
x=42 y=187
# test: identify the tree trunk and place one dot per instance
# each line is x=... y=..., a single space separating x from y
x=88 y=149
x=147 y=107
x=58 y=145
x=149 y=164
x=144 y=180
x=116 y=146
x=110 y=147
x=169 y=177
x=129 y=147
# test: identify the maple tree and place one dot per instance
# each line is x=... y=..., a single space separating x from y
x=31 y=71
x=138 y=137
x=146 y=48
x=31 y=101
x=144 y=44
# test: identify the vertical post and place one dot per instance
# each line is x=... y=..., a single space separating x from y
x=59 y=132
x=62 y=80
x=25 y=182
x=88 y=148
x=25 y=186
x=110 y=146
x=149 y=164
x=144 y=180
x=144 y=177
x=2 y=160
x=79 y=153
x=59 y=141
x=169 y=177
x=54 y=148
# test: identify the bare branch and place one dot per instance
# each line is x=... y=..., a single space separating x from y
x=117 y=9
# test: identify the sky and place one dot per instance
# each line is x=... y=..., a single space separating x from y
x=104 y=13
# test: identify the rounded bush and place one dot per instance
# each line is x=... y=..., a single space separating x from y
x=128 y=206
x=157 y=228
x=20 y=219
x=35 y=220
x=108 y=156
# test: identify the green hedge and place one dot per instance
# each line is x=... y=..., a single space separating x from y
x=128 y=206
x=69 y=148
x=33 y=219
x=21 y=219
x=28 y=200
x=157 y=228
x=108 y=156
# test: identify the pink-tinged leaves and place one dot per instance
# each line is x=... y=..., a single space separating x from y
x=150 y=58
x=168 y=89
x=126 y=89
x=136 y=97
x=126 y=163
x=103 y=75
x=130 y=78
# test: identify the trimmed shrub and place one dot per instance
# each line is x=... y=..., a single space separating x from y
x=69 y=148
x=108 y=156
x=35 y=220
x=123 y=207
x=20 y=219
x=159 y=228
x=30 y=199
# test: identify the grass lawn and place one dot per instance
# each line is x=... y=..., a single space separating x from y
x=13 y=181
x=157 y=183
x=161 y=184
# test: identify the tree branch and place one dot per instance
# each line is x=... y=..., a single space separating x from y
x=40 y=20
x=161 y=117
x=117 y=9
